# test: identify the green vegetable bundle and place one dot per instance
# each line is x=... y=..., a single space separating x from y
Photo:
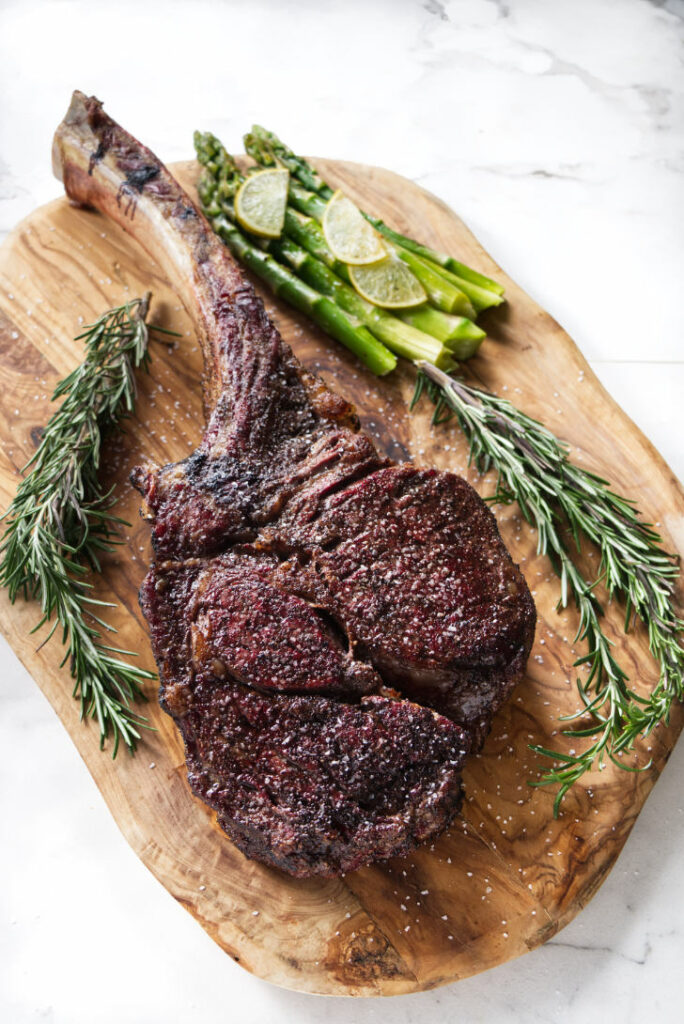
x=300 y=267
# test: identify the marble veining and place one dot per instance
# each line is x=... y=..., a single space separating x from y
x=555 y=131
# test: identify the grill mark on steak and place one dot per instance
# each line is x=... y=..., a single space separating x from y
x=333 y=631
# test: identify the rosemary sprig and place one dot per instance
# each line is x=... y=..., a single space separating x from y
x=60 y=521
x=554 y=495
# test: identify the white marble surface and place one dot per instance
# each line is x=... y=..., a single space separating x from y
x=555 y=130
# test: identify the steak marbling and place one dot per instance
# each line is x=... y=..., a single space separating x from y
x=333 y=631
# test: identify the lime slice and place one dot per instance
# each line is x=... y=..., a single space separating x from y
x=388 y=283
x=349 y=235
x=261 y=201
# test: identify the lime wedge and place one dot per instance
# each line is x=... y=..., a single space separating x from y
x=261 y=201
x=388 y=283
x=349 y=235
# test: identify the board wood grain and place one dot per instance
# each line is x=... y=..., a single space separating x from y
x=507 y=875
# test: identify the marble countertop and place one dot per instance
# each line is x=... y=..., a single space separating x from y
x=555 y=131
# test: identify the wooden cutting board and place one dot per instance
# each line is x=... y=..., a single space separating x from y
x=507 y=875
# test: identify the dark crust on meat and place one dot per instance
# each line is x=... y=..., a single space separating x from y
x=307 y=596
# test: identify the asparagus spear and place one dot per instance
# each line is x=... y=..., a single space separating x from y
x=267 y=149
x=461 y=336
x=442 y=293
x=217 y=190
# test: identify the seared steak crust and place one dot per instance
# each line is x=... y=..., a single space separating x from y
x=307 y=596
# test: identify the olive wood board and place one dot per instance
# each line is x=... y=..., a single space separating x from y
x=507 y=875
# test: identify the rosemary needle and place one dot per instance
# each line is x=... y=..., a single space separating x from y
x=61 y=522
x=534 y=468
